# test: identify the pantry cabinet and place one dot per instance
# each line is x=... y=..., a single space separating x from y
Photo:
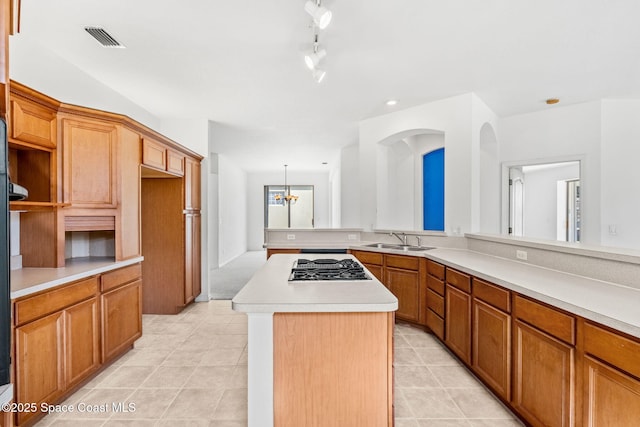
x=192 y=285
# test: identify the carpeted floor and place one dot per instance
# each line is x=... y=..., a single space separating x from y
x=226 y=281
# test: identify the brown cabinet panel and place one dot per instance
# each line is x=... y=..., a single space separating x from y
x=39 y=363
x=403 y=262
x=435 y=284
x=492 y=347
x=376 y=270
x=119 y=277
x=31 y=308
x=436 y=324
x=543 y=389
x=33 y=123
x=460 y=280
x=404 y=284
x=121 y=318
x=175 y=162
x=154 y=154
x=89 y=163
x=282 y=251
x=611 y=398
x=458 y=323
x=436 y=270
x=192 y=287
x=435 y=302
x=82 y=341
x=613 y=348
x=491 y=294
x=548 y=319
x=365 y=257
x=192 y=184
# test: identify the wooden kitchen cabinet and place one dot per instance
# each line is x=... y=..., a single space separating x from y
x=89 y=163
x=435 y=298
x=402 y=277
x=610 y=377
x=457 y=319
x=121 y=302
x=192 y=285
x=192 y=198
x=491 y=342
x=154 y=154
x=372 y=261
x=57 y=342
x=33 y=123
x=271 y=251
x=543 y=364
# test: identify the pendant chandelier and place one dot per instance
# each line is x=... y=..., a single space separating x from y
x=288 y=197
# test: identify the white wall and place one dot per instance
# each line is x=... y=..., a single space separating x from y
x=452 y=116
x=620 y=173
x=232 y=210
x=350 y=189
x=561 y=133
x=42 y=70
x=485 y=171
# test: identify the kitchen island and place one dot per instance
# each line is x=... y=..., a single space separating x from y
x=320 y=352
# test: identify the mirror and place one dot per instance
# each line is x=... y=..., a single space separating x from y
x=544 y=200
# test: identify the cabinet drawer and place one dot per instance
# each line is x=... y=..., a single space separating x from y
x=547 y=319
x=436 y=285
x=435 y=302
x=48 y=302
x=459 y=280
x=175 y=162
x=404 y=262
x=121 y=276
x=436 y=324
x=368 y=257
x=612 y=348
x=435 y=269
x=154 y=154
x=492 y=294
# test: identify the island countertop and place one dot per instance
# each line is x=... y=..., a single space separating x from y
x=269 y=291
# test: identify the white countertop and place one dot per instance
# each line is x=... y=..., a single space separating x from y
x=27 y=281
x=607 y=303
x=269 y=291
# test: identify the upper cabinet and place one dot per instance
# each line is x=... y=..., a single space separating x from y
x=32 y=123
x=158 y=156
x=89 y=163
x=192 y=184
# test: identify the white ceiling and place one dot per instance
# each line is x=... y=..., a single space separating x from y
x=239 y=62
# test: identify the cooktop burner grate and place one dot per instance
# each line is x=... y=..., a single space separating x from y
x=327 y=269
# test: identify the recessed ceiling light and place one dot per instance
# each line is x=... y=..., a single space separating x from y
x=391 y=102
x=325 y=163
x=552 y=101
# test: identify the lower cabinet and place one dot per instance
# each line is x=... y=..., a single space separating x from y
x=404 y=285
x=192 y=283
x=64 y=335
x=610 y=378
x=457 y=319
x=372 y=261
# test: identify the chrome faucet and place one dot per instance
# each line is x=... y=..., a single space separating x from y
x=402 y=238
x=419 y=239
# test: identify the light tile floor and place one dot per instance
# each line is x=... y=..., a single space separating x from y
x=191 y=370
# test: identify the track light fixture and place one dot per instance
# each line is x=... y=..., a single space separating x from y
x=313 y=59
x=321 y=15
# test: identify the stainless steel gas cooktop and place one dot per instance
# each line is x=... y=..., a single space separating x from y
x=327 y=269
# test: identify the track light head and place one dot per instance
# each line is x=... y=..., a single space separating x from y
x=313 y=59
x=321 y=15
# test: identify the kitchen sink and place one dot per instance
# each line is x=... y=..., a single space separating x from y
x=406 y=248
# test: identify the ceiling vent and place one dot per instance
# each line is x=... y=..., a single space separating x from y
x=104 y=38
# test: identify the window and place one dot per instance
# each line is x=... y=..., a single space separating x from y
x=298 y=213
x=433 y=190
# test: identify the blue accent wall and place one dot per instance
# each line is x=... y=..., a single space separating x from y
x=433 y=190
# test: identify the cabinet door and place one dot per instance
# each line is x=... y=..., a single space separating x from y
x=32 y=123
x=611 y=397
x=376 y=270
x=543 y=377
x=192 y=184
x=89 y=163
x=404 y=284
x=82 y=341
x=154 y=154
x=39 y=362
x=492 y=347
x=121 y=318
x=458 y=322
x=192 y=287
